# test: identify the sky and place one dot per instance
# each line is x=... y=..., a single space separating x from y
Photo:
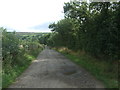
x=30 y=15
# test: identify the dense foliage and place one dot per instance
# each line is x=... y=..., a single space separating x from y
x=92 y=27
x=17 y=54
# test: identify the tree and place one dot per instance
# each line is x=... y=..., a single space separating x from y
x=93 y=27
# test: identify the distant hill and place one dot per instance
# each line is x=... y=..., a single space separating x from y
x=29 y=33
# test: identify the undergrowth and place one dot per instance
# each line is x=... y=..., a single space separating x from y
x=10 y=74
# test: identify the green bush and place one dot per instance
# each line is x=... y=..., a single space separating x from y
x=17 y=55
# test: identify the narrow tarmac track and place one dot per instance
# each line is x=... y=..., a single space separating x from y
x=53 y=70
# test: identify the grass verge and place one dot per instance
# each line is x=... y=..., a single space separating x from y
x=16 y=70
x=103 y=70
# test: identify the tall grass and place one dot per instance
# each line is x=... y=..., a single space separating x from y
x=9 y=73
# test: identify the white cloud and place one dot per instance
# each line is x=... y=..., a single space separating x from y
x=22 y=14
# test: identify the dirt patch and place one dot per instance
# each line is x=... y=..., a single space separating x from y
x=69 y=70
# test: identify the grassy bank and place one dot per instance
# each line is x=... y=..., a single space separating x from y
x=103 y=70
x=13 y=72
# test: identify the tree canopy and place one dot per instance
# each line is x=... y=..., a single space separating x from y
x=93 y=27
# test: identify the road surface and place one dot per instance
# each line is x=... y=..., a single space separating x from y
x=52 y=70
